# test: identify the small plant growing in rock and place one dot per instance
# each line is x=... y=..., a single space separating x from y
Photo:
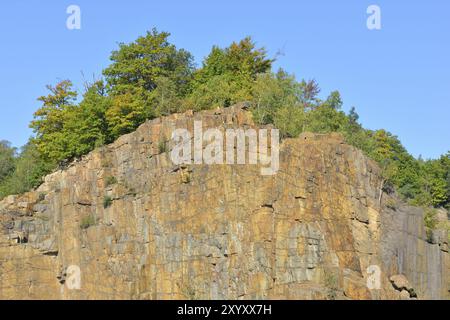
x=430 y=223
x=107 y=202
x=188 y=291
x=106 y=163
x=391 y=204
x=185 y=177
x=133 y=192
x=41 y=197
x=87 y=222
x=111 y=181
x=162 y=146
x=331 y=282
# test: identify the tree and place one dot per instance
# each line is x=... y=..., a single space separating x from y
x=143 y=61
x=353 y=116
x=240 y=58
x=290 y=121
x=324 y=119
x=218 y=92
x=310 y=90
x=7 y=159
x=228 y=75
x=137 y=70
x=150 y=77
x=86 y=126
x=30 y=169
x=128 y=110
x=434 y=182
x=334 y=101
x=50 y=119
x=445 y=163
x=271 y=92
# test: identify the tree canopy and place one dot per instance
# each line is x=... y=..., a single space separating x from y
x=151 y=77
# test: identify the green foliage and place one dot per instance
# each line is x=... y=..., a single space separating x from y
x=128 y=110
x=219 y=91
x=110 y=180
x=430 y=222
x=272 y=92
x=228 y=75
x=50 y=120
x=166 y=99
x=150 y=77
x=107 y=202
x=138 y=69
x=88 y=222
x=30 y=168
x=430 y=218
x=391 y=204
x=142 y=62
x=331 y=282
x=293 y=107
x=240 y=58
x=42 y=196
x=162 y=146
x=7 y=160
x=88 y=122
x=65 y=130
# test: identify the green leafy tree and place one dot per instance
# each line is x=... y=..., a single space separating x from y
x=7 y=159
x=150 y=77
x=290 y=121
x=30 y=169
x=240 y=58
x=334 y=101
x=218 y=92
x=309 y=94
x=142 y=62
x=128 y=111
x=50 y=119
x=166 y=99
x=136 y=71
x=272 y=92
x=228 y=75
x=434 y=182
x=86 y=126
x=325 y=120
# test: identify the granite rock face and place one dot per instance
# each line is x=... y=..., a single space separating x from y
x=124 y=222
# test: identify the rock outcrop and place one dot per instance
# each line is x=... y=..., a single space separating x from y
x=124 y=222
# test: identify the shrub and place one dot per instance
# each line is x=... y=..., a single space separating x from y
x=41 y=197
x=162 y=146
x=430 y=222
x=107 y=202
x=111 y=181
x=88 y=222
x=332 y=283
x=391 y=204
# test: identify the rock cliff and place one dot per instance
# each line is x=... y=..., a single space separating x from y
x=124 y=222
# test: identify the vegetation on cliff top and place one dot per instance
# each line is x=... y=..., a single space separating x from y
x=151 y=77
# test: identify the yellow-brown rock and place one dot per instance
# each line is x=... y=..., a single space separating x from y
x=139 y=227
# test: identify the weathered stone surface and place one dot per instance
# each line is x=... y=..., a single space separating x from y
x=214 y=232
x=400 y=282
x=404 y=295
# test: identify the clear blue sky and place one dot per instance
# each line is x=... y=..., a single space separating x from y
x=398 y=78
